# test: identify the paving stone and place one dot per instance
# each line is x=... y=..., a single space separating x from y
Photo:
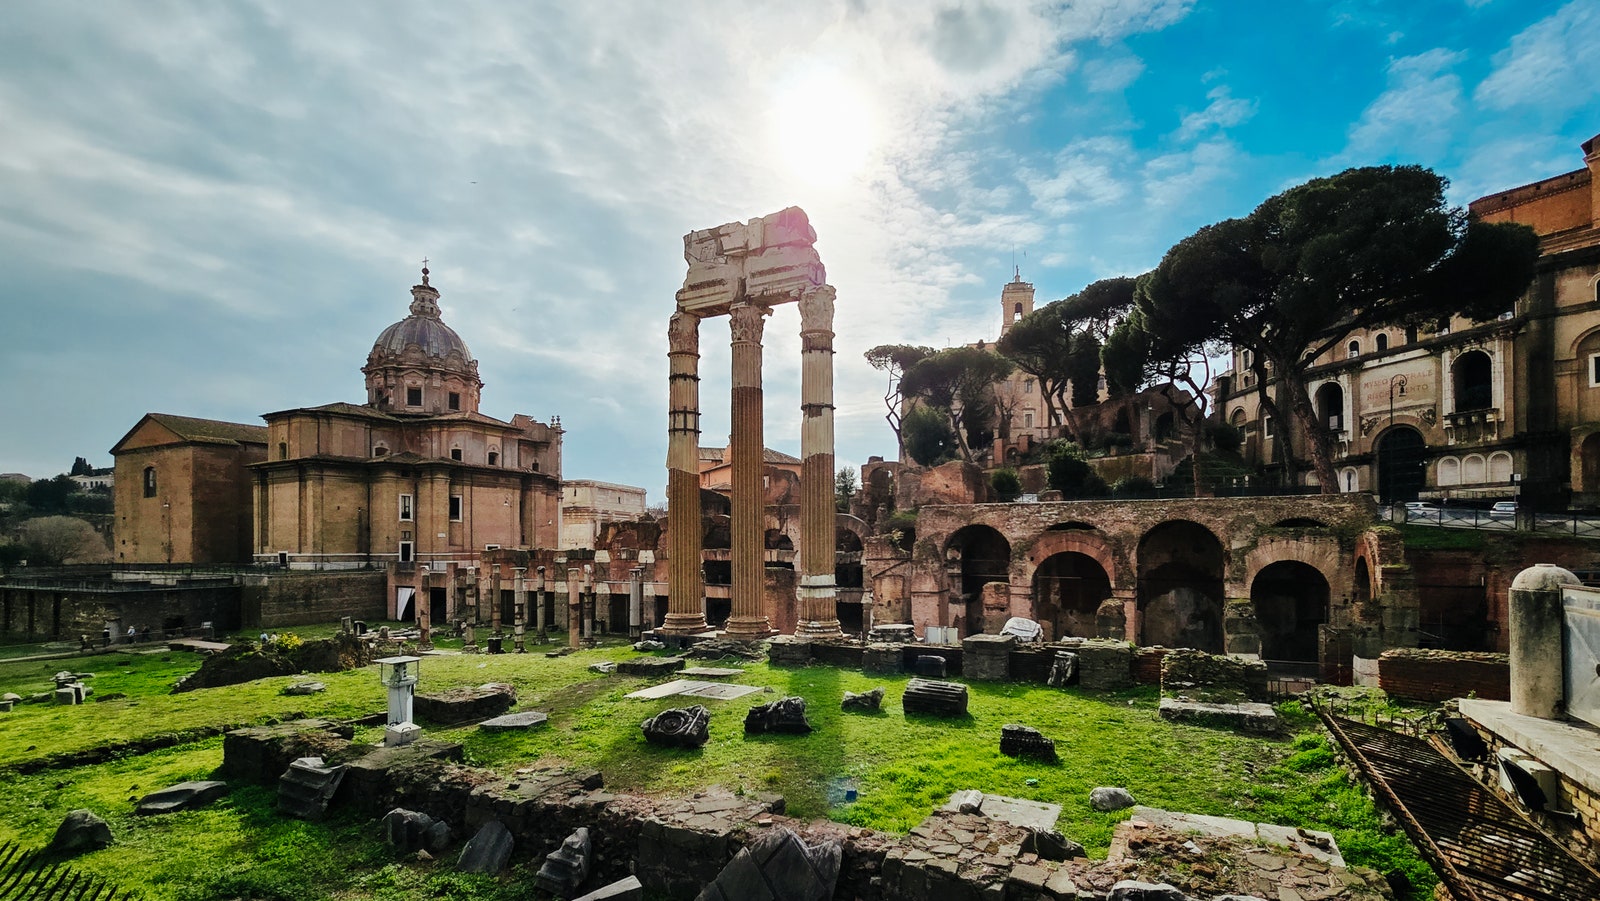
x=183 y=796
x=512 y=722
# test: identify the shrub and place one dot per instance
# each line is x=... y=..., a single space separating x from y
x=1006 y=485
x=1072 y=475
x=928 y=438
x=901 y=528
x=1133 y=486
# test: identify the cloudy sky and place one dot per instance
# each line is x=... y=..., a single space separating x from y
x=212 y=209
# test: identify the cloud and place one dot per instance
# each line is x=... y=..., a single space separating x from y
x=1111 y=75
x=1223 y=112
x=1544 y=66
x=1416 y=112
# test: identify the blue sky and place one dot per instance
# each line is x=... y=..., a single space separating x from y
x=214 y=209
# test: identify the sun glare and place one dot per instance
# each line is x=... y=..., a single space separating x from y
x=824 y=128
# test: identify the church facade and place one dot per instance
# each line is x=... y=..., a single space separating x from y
x=416 y=479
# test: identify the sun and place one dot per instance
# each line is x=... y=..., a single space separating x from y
x=824 y=128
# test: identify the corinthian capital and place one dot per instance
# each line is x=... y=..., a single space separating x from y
x=746 y=321
x=816 y=309
x=683 y=334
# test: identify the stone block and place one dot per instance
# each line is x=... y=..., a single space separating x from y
x=515 y=722
x=786 y=716
x=650 y=667
x=488 y=850
x=685 y=727
x=1213 y=677
x=778 y=866
x=1108 y=798
x=629 y=889
x=1017 y=740
x=1246 y=717
x=987 y=657
x=566 y=868
x=183 y=796
x=1105 y=665
x=307 y=788
x=81 y=831
x=462 y=704
x=865 y=701
x=929 y=665
x=786 y=650
x=936 y=698
x=883 y=659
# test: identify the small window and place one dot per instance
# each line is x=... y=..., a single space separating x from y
x=406 y=513
x=1594 y=376
x=149 y=481
x=494 y=458
x=1381 y=342
x=455 y=400
x=1027 y=419
x=283 y=450
x=406 y=555
x=380 y=451
x=413 y=397
x=455 y=454
x=1027 y=386
x=1353 y=350
x=1267 y=426
x=455 y=508
x=1411 y=334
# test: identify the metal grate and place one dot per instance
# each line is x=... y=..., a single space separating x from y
x=30 y=876
x=1481 y=847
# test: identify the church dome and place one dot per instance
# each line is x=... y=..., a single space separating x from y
x=424 y=330
x=421 y=365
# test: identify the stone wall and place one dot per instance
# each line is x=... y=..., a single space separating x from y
x=289 y=598
x=1213 y=678
x=1427 y=675
x=62 y=613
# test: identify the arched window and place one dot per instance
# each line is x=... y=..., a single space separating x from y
x=1449 y=471
x=1330 y=405
x=1499 y=467
x=494 y=457
x=1472 y=382
x=1381 y=342
x=1017 y=313
x=1473 y=470
x=380 y=451
x=1350 y=480
x=1353 y=350
x=149 y=481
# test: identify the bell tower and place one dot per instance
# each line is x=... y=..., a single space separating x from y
x=1016 y=300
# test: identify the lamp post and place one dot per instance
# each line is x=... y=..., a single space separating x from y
x=1398 y=378
x=399 y=675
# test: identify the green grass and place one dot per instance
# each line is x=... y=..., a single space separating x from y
x=902 y=766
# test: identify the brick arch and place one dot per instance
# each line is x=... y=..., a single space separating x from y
x=853 y=524
x=1095 y=545
x=1317 y=553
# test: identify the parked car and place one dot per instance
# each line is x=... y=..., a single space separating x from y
x=1422 y=509
x=1503 y=510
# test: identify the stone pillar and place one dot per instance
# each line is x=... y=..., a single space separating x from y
x=539 y=601
x=588 y=601
x=424 y=609
x=686 y=596
x=519 y=589
x=748 y=619
x=1537 y=646
x=635 y=602
x=494 y=599
x=574 y=604
x=819 y=611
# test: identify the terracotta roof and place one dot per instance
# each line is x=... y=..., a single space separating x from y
x=210 y=431
x=715 y=455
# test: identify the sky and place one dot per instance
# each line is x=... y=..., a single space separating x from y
x=213 y=209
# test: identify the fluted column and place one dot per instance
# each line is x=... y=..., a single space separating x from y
x=686 y=596
x=748 y=619
x=494 y=600
x=819 y=611
x=519 y=604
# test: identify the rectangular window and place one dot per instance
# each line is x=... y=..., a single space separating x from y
x=405 y=508
x=413 y=397
x=1594 y=370
x=1266 y=425
x=455 y=508
x=405 y=552
x=455 y=454
x=455 y=401
x=1027 y=386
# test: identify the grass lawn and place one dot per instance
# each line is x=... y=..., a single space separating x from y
x=901 y=766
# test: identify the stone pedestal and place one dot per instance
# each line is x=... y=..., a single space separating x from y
x=1536 y=645
x=987 y=656
x=748 y=619
x=686 y=603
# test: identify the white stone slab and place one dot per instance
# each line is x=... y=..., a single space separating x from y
x=1570 y=748
x=1322 y=846
x=1016 y=811
x=712 y=672
x=666 y=689
x=721 y=692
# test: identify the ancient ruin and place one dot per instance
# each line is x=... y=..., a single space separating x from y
x=742 y=270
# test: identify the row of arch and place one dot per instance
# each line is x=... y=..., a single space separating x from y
x=1179 y=586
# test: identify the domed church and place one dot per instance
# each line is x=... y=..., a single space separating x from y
x=416 y=478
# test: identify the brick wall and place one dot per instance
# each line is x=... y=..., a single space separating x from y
x=1428 y=675
x=297 y=598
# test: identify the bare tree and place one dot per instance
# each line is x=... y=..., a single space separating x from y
x=56 y=540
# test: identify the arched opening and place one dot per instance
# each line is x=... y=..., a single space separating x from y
x=1291 y=601
x=1123 y=424
x=777 y=540
x=976 y=555
x=1180 y=587
x=1449 y=472
x=1363 y=586
x=1067 y=590
x=1473 y=470
x=1165 y=428
x=1016 y=313
x=1472 y=382
x=1500 y=467
x=1353 y=350
x=1330 y=406
x=1381 y=342
x=494 y=457
x=1402 y=469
